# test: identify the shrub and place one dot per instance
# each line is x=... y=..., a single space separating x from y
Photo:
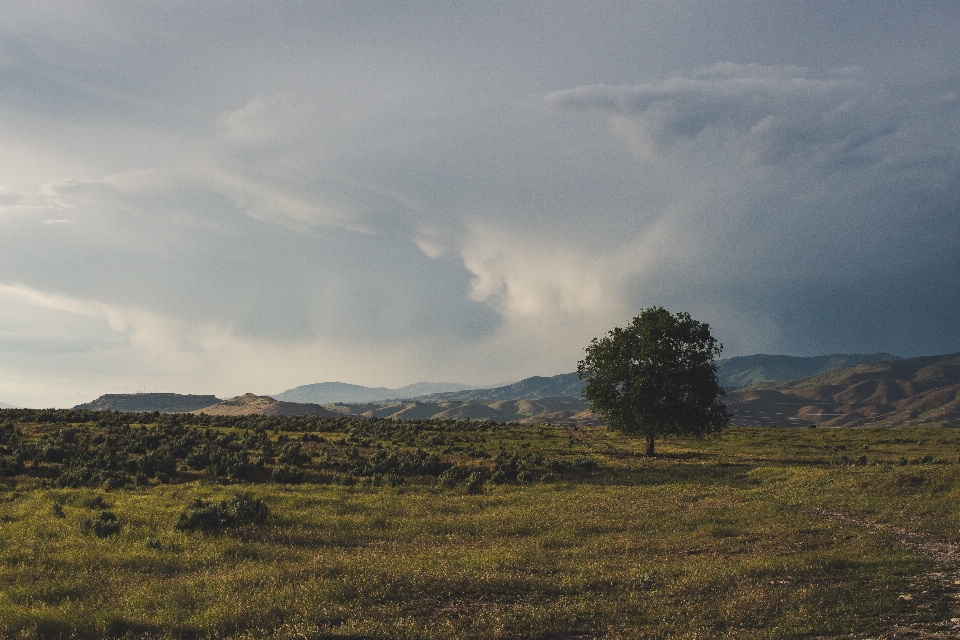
x=212 y=517
x=453 y=476
x=103 y=525
x=293 y=455
x=287 y=474
x=474 y=482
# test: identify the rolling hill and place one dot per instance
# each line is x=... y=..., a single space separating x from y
x=562 y=409
x=565 y=384
x=870 y=391
x=733 y=373
x=326 y=392
x=743 y=371
x=909 y=391
x=250 y=404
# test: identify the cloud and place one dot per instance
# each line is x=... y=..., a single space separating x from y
x=772 y=115
x=266 y=120
x=190 y=200
x=144 y=329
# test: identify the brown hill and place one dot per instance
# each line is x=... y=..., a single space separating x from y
x=910 y=391
x=565 y=409
x=250 y=404
x=556 y=410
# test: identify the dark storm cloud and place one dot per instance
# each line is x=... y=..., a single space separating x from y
x=236 y=197
x=837 y=208
x=779 y=112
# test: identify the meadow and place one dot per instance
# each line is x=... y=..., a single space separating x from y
x=152 y=525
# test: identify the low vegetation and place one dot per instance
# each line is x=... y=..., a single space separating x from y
x=183 y=526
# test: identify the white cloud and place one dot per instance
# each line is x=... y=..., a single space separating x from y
x=267 y=120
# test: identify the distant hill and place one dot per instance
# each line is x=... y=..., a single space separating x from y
x=4 y=405
x=743 y=371
x=565 y=384
x=905 y=391
x=250 y=404
x=326 y=392
x=733 y=374
x=165 y=402
x=562 y=409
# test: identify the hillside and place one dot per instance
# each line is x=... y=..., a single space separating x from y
x=163 y=402
x=326 y=392
x=733 y=373
x=907 y=391
x=4 y=405
x=250 y=404
x=742 y=371
x=556 y=410
x=565 y=384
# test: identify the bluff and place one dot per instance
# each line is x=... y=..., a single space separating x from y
x=164 y=402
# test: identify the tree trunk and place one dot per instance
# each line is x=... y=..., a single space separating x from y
x=650 y=453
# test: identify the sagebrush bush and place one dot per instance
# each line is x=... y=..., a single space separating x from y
x=453 y=476
x=474 y=483
x=104 y=524
x=287 y=474
x=213 y=517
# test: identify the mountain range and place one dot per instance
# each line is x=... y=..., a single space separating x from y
x=877 y=388
x=732 y=373
x=563 y=385
x=743 y=371
x=887 y=392
x=567 y=410
x=907 y=391
x=324 y=392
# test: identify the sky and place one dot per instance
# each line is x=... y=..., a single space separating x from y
x=231 y=197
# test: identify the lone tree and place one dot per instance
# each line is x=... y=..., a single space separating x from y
x=656 y=377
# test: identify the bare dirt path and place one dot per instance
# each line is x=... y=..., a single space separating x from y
x=945 y=569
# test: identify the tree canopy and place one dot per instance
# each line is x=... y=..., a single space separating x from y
x=656 y=376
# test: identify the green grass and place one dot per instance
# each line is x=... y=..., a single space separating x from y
x=732 y=537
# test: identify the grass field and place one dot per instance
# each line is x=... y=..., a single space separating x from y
x=758 y=533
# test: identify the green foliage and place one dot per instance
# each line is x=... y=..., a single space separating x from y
x=287 y=474
x=104 y=524
x=453 y=476
x=129 y=449
x=656 y=377
x=474 y=483
x=213 y=517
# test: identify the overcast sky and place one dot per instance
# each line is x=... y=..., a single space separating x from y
x=227 y=197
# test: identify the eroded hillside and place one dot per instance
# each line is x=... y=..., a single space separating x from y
x=901 y=392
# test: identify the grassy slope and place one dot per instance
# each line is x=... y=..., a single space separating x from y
x=740 y=536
